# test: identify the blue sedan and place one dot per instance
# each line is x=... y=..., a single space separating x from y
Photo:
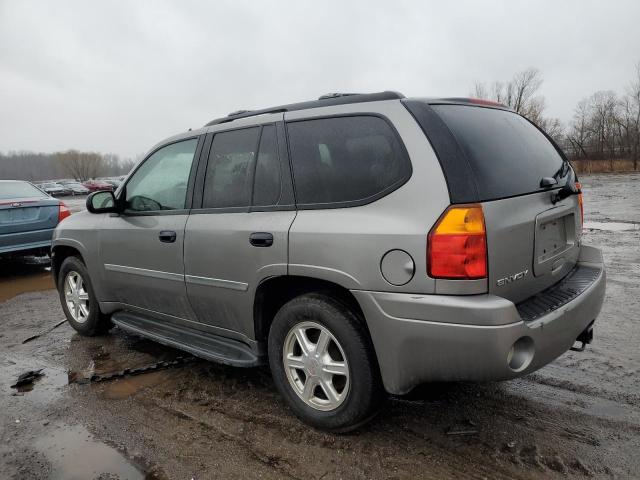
x=27 y=217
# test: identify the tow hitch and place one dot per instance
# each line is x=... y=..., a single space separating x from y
x=585 y=337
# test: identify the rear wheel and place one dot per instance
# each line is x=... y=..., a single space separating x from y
x=323 y=363
x=78 y=299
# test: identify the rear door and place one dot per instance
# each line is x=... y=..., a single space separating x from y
x=239 y=234
x=501 y=160
x=27 y=215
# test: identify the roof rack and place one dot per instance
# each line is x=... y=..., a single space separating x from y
x=328 y=100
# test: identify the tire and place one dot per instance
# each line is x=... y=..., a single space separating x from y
x=93 y=322
x=349 y=400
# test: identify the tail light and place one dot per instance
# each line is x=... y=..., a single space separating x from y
x=457 y=244
x=580 y=202
x=63 y=212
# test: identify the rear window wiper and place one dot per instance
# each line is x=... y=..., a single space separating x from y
x=570 y=188
x=546 y=182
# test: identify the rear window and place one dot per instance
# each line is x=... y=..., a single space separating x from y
x=9 y=190
x=507 y=154
x=342 y=160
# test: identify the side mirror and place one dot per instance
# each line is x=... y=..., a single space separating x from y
x=102 y=202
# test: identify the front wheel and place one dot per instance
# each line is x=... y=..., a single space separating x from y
x=78 y=299
x=323 y=363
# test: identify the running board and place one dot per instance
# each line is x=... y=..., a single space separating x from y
x=201 y=344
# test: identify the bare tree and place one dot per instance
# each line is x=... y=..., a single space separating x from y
x=521 y=94
x=579 y=135
x=603 y=122
x=554 y=128
x=632 y=117
x=480 y=90
x=523 y=90
x=81 y=166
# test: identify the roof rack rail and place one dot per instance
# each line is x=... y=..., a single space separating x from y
x=324 y=101
x=237 y=112
x=336 y=95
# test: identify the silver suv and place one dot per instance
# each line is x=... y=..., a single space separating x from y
x=359 y=244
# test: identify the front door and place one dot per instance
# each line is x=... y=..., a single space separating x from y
x=142 y=247
x=239 y=236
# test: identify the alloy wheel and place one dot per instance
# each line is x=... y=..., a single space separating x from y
x=316 y=366
x=76 y=297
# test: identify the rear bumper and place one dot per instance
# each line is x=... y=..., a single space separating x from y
x=423 y=338
x=22 y=241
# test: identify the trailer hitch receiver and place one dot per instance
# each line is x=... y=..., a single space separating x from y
x=584 y=338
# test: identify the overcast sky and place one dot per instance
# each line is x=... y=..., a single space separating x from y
x=118 y=76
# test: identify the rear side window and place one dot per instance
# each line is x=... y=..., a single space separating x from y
x=507 y=154
x=268 y=175
x=230 y=169
x=343 y=160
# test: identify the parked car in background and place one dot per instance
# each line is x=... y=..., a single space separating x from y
x=27 y=217
x=97 y=185
x=76 y=188
x=357 y=244
x=55 y=189
x=113 y=182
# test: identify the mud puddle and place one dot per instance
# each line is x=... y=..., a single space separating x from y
x=612 y=226
x=127 y=387
x=24 y=274
x=74 y=454
x=103 y=362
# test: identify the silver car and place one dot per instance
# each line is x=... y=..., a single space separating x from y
x=358 y=244
x=75 y=188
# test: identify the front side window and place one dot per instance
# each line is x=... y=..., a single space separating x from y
x=230 y=169
x=345 y=159
x=161 y=182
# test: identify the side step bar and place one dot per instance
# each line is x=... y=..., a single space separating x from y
x=201 y=344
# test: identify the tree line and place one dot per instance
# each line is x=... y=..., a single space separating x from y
x=605 y=126
x=73 y=164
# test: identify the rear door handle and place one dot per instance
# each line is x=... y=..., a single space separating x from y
x=261 y=239
x=167 y=236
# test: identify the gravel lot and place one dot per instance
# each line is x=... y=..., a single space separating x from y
x=578 y=417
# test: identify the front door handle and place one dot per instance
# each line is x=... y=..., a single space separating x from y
x=261 y=239
x=167 y=236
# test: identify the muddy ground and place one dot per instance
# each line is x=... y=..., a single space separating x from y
x=578 y=417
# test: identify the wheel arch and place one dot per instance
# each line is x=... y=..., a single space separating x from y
x=61 y=251
x=272 y=293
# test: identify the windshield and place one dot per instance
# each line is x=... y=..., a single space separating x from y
x=10 y=190
x=508 y=155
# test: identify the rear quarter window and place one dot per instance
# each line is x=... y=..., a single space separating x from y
x=343 y=161
x=507 y=154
